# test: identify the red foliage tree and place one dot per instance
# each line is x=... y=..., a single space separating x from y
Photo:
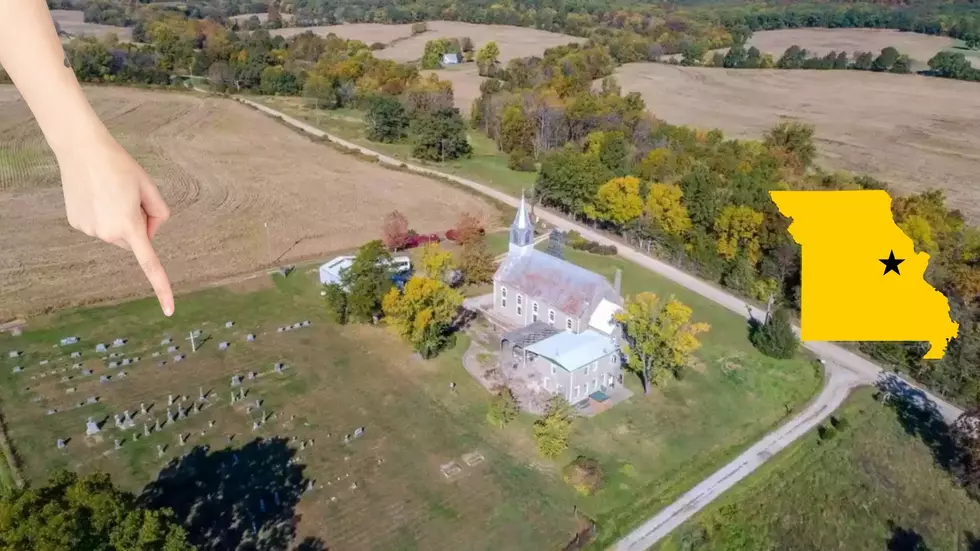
x=395 y=230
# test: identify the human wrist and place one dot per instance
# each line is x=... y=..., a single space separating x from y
x=77 y=136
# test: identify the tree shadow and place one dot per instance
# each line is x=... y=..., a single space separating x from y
x=919 y=417
x=903 y=539
x=234 y=498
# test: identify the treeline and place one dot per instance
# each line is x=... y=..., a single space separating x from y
x=738 y=57
x=701 y=200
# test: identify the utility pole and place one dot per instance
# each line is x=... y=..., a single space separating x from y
x=268 y=243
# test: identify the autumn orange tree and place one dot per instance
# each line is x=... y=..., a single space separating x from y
x=422 y=313
x=618 y=201
x=394 y=230
x=660 y=337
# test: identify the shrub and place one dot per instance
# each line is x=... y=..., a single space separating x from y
x=827 y=432
x=377 y=46
x=839 y=423
x=519 y=160
x=503 y=408
x=336 y=300
x=584 y=474
x=577 y=242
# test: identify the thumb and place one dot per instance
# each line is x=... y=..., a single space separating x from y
x=154 y=207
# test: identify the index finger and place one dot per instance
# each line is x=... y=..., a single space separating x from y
x=151 y=266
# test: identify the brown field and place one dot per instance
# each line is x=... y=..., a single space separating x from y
x=73 y=22
x=914 y=132
x=919 y=47
x=466 y=81
x=513 y=41
x=369 y=33
x=225 y=171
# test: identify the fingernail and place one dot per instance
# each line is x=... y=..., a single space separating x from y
x=168 y=310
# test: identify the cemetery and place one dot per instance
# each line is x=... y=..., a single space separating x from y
x=355 y=422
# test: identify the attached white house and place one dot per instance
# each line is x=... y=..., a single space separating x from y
x=331 y=271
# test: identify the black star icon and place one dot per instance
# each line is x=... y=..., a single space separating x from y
x=891 y=263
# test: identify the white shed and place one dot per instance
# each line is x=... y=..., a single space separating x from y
x=450 y=59
x=331 y=271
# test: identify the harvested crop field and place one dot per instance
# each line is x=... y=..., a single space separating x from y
x=73 y=23
x=368 y=33
x=225 y=171
x=919 y=47
x=914 y=132
x=513 y=41
x=466 y=82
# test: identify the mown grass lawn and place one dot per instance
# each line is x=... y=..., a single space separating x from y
x=872 y=486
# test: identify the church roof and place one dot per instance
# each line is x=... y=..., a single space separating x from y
x=574 y=350
x=559 y=283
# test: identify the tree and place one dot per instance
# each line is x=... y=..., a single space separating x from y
x=221 y=76
x=618 y=201
x=440 y=136
x=795 y=139
x=951 y=65
x=666 y=210
x=422 y=313
x=863 y=61
x=486 y=58
x=701 y=195
x=466 y=44
x=435 y=262
x=394 y=230
x=386 y=120
x=902 y=65
x=320 y=89
x=775 y=337
x=476 y=262
x=85 y=513
x=502 y=408
x=659 y=337
x=468 y=228
x=551 y=432
x=516 y=132
x=966 y=435
x=886 y=60
x=738 y=229
x=556 y=244
x=570 y=179
x=972 y=41
x=336 y=299
x=367 y=281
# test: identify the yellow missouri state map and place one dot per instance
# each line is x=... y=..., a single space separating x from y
x=862 y=279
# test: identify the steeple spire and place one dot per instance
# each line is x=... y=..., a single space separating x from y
x=521 y=231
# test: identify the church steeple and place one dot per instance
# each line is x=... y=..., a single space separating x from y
x=521 y=231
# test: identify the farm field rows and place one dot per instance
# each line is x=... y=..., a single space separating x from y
x=73 y=22
x=225 y=171
x=916 y=133
x=876 y=484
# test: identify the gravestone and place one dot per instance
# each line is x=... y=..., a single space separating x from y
x=170 y=400
x=104 y=379
x=358 y=432
x=161 y=363
x=166 y=341
x=66 y=378
x=76 y=354
x=113 y=365
x=251 y=375
x=71 y=390
x=61 y=444
x=118 y=421
x=118 y=443
x=122 y=375
x=171 y=349
x=136 y=436
x=127 y=420
x=118 y=342
x=156 y=425
x=52 y=411
x=229 y=324
x=182 y=438
x=200 y=394
x=233 y=396
x=91 y=427
x=160 y=450
x=181 y=413
x=142 y=408
x=125 y=361
x=242 y=393
x=195 y=408
x=43 y=362
x=178 y=357
x=93 y=400
x=65 y=341
x=279 y=367
x=223 y=345
x=236 y=380
x=146 y=429
x=114 y=355
x=249 y=338
x=278 y=329
x=18 y=369
x=258 y=403
x=261 y=505
x=100 y=347
x=306 y=323
x=196 y=333
x=155 y=354
x=255 y=425
x=170 y=416
x=13 y=354
x=211 y=424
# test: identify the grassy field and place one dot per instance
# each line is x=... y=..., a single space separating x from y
x=652 y=448
x=487 y=165
x=876 y=485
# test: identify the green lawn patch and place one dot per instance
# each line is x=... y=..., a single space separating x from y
x=872 y=486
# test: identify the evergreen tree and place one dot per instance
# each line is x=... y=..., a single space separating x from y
x=775 y=337
x=367 y=281
x=386 y=120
